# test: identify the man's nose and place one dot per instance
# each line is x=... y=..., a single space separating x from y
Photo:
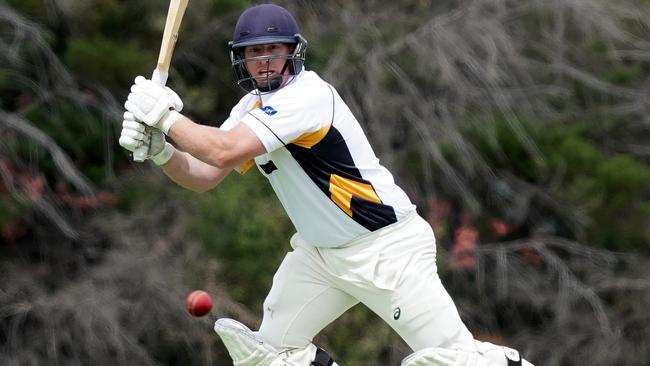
x=264 y=61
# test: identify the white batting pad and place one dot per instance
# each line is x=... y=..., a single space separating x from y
x=445 y=357
x=247 y=349
x=501 y=355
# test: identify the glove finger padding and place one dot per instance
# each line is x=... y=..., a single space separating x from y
x=161 y=107
x=132 y=135
x=150 y=101
x=134 y=107
x=156 y=91
x=133 y=126
x=130 y=143
x=128 y=116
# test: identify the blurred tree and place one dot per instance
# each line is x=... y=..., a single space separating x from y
x=521 y=122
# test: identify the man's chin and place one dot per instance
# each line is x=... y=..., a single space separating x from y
x=264 y=80
x=273 y=81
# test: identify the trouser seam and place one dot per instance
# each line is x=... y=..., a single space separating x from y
x=299 y=312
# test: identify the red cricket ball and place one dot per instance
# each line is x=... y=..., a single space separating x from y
x=198 y=303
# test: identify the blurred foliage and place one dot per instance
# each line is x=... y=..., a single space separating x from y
x=609 y=189
x=574 y=171
x=108 y=62
x=78 y=130
x=243 y=225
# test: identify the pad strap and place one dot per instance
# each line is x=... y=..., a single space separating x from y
x=322 y=359
x=513 y=357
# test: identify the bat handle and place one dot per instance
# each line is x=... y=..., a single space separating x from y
x=159 y=76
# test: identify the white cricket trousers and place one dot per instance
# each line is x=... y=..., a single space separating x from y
x=392 y=271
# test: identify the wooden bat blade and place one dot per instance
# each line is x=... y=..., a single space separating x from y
x=170 y=35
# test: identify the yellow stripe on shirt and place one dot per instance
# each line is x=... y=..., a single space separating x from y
x=245 y=166
x=309 y=139
x=342 y=190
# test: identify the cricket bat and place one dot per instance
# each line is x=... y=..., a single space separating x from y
x=160 y=73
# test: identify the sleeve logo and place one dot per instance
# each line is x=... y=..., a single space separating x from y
x=269 y=110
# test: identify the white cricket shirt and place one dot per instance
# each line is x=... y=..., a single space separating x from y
x=319 y=162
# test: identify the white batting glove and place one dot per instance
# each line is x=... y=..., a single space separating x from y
x=153 y=104
x=135 y=134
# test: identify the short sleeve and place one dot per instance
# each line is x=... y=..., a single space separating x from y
x=290 y=114
x=232 y=120
x=228 y=124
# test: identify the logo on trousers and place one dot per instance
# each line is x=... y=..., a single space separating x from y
x=396 y=313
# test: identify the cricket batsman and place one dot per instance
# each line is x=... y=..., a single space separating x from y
x=358 y=237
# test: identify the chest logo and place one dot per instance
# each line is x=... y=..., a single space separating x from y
x=269 y=110
x=269 y=167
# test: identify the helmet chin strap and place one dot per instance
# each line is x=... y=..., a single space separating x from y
x=273 y=82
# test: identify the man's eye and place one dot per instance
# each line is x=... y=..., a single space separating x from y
x=275 y=48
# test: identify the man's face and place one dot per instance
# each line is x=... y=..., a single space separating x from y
x=262 y=70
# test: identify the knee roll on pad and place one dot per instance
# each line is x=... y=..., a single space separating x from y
x=499 y=355
x=445 y=357
x=485 y=355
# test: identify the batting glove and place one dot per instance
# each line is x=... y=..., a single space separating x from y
x=135 y=134
x=153 y=104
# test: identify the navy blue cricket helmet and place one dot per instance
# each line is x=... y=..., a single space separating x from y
x=265 y=24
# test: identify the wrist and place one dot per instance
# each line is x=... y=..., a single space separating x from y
x=163 y=157
x=168 y=120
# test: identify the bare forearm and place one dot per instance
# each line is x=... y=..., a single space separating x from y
x=207 y=154
x=214 y=146
x=205 y=143
x=193 y=174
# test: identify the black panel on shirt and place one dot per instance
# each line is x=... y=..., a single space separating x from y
x=332 y=156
